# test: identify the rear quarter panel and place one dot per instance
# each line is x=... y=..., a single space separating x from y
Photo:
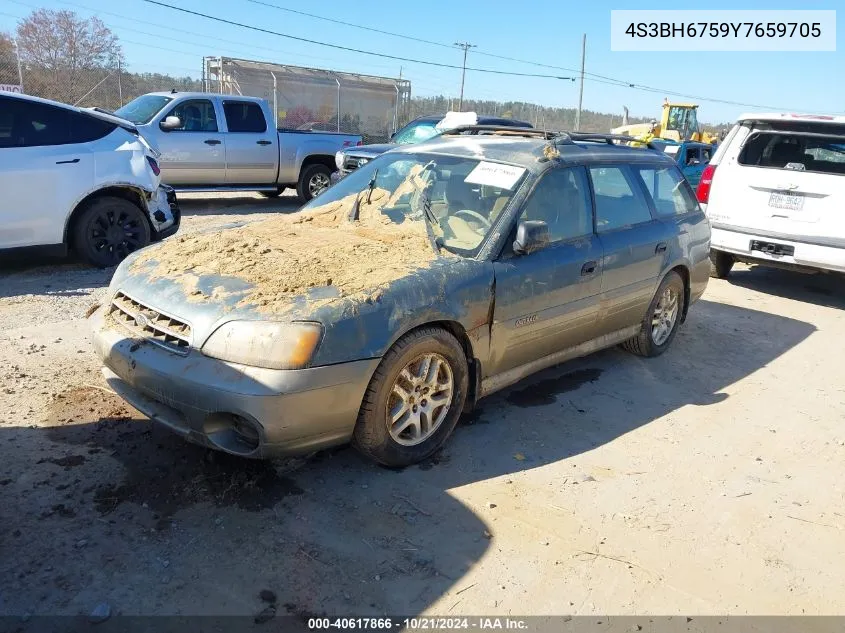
x=296 y=147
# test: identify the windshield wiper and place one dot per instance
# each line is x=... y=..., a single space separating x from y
x=353 y=212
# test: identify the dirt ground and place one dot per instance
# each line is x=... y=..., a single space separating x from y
x=708 y=481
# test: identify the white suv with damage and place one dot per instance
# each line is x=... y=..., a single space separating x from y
x=78 y=179
x=774 y=193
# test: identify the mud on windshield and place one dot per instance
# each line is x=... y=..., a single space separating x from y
x=459 y=198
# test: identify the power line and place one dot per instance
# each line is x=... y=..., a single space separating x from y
x=349 y=48
x=588 y=75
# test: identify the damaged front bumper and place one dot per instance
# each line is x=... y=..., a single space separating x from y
x=164 y=212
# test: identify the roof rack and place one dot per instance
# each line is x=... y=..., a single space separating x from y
x=605 y=138
x=506 y=129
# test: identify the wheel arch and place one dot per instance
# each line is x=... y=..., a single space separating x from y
x=317 y=159
x=683 y=270
x=135 y=195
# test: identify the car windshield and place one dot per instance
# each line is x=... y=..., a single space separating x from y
x=459 y=198
x=416 y=133
x=143 y=109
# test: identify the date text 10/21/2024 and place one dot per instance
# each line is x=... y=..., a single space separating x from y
x=421 y=623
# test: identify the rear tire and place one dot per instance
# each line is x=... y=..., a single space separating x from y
x=720 y=264
x=108 y=230
x=661 y=320
x=414 y=399
x=273 y=194
x=313 y=180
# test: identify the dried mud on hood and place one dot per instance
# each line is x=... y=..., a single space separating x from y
x=288 y=256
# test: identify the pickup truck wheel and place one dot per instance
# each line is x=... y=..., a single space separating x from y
x=414 y=399
x=661 y=320
x=108 y=230
x=313 y=181
x=273 y=194
x=720 y=264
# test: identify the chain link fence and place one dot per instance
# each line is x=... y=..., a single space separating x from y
x=301 y=98
x=308 y=98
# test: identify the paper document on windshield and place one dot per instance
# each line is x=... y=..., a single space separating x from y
x=495 y=175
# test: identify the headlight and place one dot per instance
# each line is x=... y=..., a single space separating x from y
x=338 y=160
x=265 y=343
x=363 y=161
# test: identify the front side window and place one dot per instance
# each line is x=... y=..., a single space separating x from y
x=196 y=115
x=459 y=198
x=669 y=191
x=244 y=116
x=561 y=200
x=619 y=202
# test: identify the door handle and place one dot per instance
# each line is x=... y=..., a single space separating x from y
x=660 y=248
x=263 y=142
x=212 y=141
x=67 y=162
x=588 y=269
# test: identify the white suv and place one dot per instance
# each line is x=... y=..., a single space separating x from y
x=78 y=178
x=775 y=193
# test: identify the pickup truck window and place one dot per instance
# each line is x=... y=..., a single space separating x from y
x=244 y=116
x=197 y=115
x=142 y=110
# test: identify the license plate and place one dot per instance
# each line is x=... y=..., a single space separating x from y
x=789 y=201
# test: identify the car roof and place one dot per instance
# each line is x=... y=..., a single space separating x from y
x=201 y=95
x=531 y=152
x=789 y=116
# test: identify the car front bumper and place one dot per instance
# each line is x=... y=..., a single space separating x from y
x=164 y=212
x=805 y=255
x=246 y=411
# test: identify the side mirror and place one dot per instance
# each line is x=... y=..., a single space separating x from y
x=170 y=123
x=531 y=235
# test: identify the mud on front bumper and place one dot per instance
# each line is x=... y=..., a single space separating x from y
x=246 y=411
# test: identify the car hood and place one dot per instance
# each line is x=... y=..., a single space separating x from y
x=284 y=269
x=371 y=151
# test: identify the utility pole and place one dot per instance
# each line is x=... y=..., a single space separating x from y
x=466 y=46
x=20 y=68
x=119 y=86
x=581 y=91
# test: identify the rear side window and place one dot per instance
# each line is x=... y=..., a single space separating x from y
x=669 y=190
x=815 y=152
x=31 y=124
x=619 y=201
x=243 y=116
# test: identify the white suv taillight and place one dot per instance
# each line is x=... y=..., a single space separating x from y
x=702 y=192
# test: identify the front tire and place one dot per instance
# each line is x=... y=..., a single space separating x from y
x=720 y=264
x=313 y=181
x=108 y=230
x=414 y=399
x=662 y=319
x=273 y=194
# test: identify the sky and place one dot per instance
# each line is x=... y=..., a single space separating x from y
x=159 y=39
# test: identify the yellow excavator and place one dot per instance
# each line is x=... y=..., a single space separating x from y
x=678 y=122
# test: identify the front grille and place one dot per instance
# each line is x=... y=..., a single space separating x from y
x=172 y=334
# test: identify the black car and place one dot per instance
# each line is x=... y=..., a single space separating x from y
x=419 y=130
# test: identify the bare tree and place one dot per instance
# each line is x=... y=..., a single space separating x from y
x=66 y=56
x=8 y=60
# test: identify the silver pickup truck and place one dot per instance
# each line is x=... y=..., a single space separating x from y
x=214 y=142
